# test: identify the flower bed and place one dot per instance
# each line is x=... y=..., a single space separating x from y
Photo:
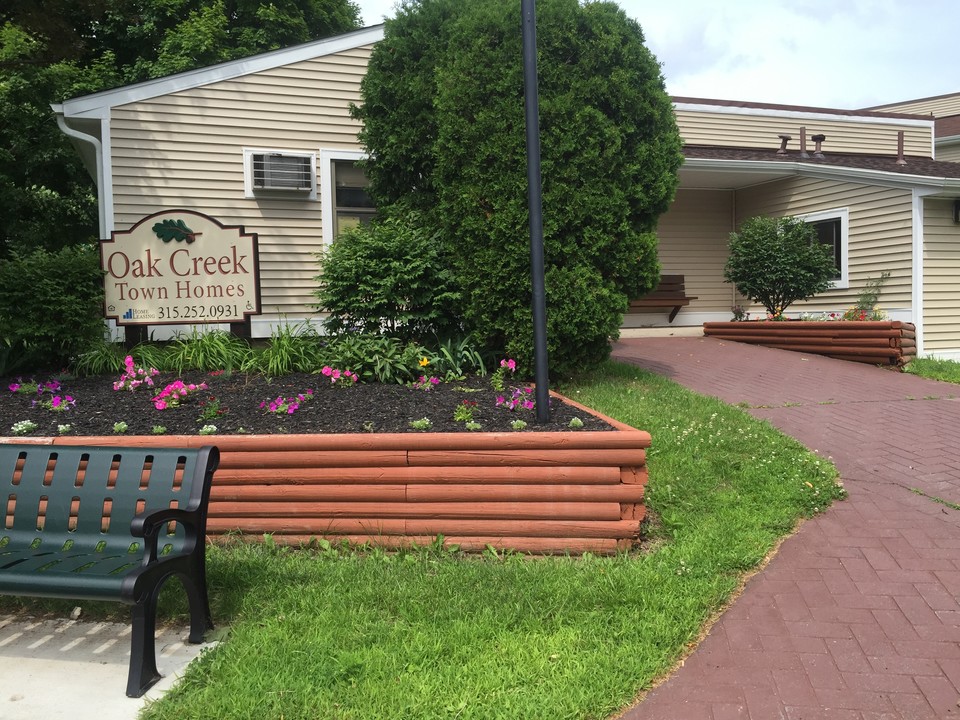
x=549 y=492
x=882 y=342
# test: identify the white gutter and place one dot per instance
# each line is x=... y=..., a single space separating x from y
x=98 y=150
x=829 y=172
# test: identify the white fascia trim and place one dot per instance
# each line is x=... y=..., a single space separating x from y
x=801 y=114
x=917 y=279
x=99 y=104
x=831 y=172
x=327 y=190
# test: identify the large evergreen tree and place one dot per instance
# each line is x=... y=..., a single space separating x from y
x=51 y=50
x=443 y=121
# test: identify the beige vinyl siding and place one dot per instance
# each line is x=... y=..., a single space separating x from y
x=941 y=277
x=880 y=235
x=949 y=153
x=185 y=150
x=693 y=236
x=760 y=129
x=937 y=106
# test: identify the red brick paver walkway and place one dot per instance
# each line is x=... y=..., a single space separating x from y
x=857 y=617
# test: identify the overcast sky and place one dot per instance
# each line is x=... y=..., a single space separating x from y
x=846 y=54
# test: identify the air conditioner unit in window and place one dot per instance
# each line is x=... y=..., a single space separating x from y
x=276 y=171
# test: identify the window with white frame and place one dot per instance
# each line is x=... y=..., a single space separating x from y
x=279 y=173
x=833 y=230
x=345 y=199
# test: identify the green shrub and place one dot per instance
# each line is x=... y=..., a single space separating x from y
x=777 y=261
x=390 y=276
x=51 y=306
x=444 y=124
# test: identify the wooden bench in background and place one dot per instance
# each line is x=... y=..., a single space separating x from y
x=670 y=295
x=108 y=523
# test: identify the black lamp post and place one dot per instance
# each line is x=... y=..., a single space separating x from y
x=529 y=11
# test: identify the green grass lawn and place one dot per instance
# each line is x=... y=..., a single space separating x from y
x=935 y=369
x=430 y=633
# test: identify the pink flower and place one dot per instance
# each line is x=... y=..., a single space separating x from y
x=528 y=404
x=160 y=404
x=327 y=370
x=14 y=387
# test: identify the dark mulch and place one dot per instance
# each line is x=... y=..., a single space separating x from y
x=333 y=409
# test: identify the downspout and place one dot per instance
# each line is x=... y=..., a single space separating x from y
x=98 y=150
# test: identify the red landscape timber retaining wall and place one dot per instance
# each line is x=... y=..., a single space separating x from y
x=881 y=342
x=527 y=491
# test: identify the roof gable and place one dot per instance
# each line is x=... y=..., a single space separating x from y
x=98 y=105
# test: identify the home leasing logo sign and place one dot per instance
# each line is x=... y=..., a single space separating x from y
x=180 y=266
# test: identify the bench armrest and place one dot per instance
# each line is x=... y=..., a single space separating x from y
x=149 y=525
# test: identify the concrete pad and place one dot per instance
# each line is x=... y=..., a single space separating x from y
x=76 y=669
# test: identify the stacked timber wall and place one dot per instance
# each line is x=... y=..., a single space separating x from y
x=535 y=492
x=886 y=342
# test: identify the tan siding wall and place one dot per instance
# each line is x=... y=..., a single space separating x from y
x=185 y=150
x=693 y=237
x=949 y=153
x=880 y=233
x=758 y=130
x=941 y=277
x=938 y=107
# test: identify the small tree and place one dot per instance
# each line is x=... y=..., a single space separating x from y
x=777 y=261
x=443 y=122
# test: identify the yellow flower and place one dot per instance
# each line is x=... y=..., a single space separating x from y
x=424 y=362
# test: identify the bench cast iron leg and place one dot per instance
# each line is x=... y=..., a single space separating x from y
x=143 y=660
x=200 y=619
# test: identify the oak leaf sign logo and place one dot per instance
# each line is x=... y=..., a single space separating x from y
x=177 y=230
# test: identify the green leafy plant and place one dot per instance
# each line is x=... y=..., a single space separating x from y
x=470 y=425
x=866 y=307
x=64 y=429
x=120 y=427
x=158 y=430
x=518 y=424
x=464 y=411
x=208 y=430
x=390 y=276
x=778 y=261
x=498 y=377
x=421 y=424
x=291 y=348
x=211 y=409
x=214 y=350
x=376 y=358
x=575 y=423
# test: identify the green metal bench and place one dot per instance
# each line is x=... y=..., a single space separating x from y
x=108 y=523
